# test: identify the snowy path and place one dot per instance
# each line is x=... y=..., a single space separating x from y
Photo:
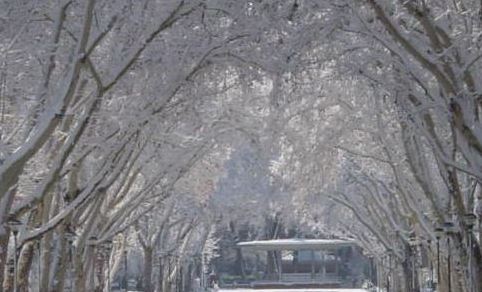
x=293 y=290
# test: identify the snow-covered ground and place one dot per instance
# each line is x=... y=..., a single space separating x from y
x=293 y=290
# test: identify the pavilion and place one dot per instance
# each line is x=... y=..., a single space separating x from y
x=307 y=263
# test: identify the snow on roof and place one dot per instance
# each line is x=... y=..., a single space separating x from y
x=295 y=243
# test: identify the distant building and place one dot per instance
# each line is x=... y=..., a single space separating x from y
x=307 y=263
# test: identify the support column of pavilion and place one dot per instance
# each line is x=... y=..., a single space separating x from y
x=323 y=266
x=312 y=265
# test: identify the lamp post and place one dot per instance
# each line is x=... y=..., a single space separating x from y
x=125 y=270
x=430 y=272
x=470 y=220
x=439 y=231
x=370 y=267
x=92 y=242
x=161 y=272
x=432 y=276
x=203 y=274
x=169 y=263
x=378 y=279
x=39 y=264
x=14 y=225
x=413 y=243
x=389 y=254
x=449 y=230
x=108 y=249
x=70 y=237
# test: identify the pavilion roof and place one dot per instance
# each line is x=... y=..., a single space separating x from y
x=295 y=244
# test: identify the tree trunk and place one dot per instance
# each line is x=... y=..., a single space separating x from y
x=188 y=278
x=24 y=265
x=239 y=270
x=64 y=264
x=90 y=269
x=8 y=280
x=4 y=269
x=270 y=264
x=80 y=279
x=477 y=245
x=477 y=267
x=161 y=275
x=99 y=271
x=167 y=280
x=5 y=203
x=148 y=252
x=46 y=255
x=409 y=275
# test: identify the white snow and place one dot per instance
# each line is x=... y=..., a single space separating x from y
x=295 y=243
x=294 y=290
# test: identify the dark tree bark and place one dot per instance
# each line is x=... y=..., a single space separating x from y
x=147 y=278
x=24 y=265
